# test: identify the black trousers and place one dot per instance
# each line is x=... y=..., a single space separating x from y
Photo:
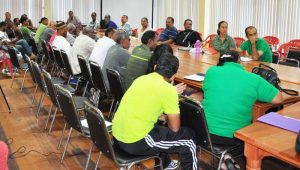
x=163 y=140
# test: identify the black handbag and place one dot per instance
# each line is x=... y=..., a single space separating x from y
x=269 y=74
x=297 y=147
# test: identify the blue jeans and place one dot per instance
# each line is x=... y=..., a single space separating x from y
x=25 y=48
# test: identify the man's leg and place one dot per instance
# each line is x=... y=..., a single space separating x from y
x=25 y=46
x=163 y=140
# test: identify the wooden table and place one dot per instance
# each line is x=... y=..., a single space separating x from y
x=191 y=64
x=263 y=140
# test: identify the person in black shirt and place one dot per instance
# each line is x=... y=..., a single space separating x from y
x=188 y=37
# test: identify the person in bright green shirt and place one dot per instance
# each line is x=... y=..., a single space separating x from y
x=134 y=125
x=229 y=95
x=41 y=29
x=257 y=48
x=26 y=32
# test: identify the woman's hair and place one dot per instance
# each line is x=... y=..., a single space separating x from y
x=42 y=19
x=219 y=25
x=159 y=50
x=228 y=56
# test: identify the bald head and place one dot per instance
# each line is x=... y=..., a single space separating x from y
x=52 y=24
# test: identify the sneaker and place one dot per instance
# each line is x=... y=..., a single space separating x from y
x=174 y=164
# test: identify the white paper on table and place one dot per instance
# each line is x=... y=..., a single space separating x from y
x=246 y=59
x=195 y=77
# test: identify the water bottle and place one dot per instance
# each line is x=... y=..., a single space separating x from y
x=198 y=47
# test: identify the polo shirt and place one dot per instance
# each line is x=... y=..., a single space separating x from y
x=229 y=95
x=147 y=98
x=25 y=32
x=137 y=64
x=222 y=47
x=168 y=33
x=126 y=27
x=261 y=45
x=39 y=32
x=111 y=24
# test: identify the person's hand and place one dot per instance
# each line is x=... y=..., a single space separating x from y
x=253 y=40
x=163 y=118
x=180 y=87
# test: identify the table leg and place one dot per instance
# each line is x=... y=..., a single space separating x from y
x=253 y=157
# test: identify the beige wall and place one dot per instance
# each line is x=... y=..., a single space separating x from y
x=48 y=9
x=201 y=17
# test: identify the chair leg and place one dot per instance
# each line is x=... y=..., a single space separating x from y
x=50 y=129
x=115 y=109
x=111 y=106
x=62 y=136
x=49 y=113
x=32 y=101
x=23 y=80
x=100 y=153
x=66 y=146
x=89 y=156
x=221 y=160
x=87 y=83
x=40 y=104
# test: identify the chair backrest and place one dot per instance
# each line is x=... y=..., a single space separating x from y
x=115 y=84
x=85 y=69
x=97 y=77
x=13 y=57
x=66 y=62
x=67 y=107
x=208 y=40
x=238 y=41
x=284 y=48
x=58 y=58
x=38 y=76
x=295 y=41
x=50 y=87
x=45 y=50
x=28 y=62
x=271 y=40
x=275 y=57
x=50 y=50
x=192 y=116
x=33 y=46
x=98 y=131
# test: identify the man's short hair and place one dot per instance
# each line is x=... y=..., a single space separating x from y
x=125 y=16
x=121 y=35
x=15 y=20
x=167 y=65
x=250 y=27
x=187 y=21
x=147 y=36
x=171 y=18
x=23 y=18
x=3 y=24
x=108 y=31
x=103 y=24
x=107 y=15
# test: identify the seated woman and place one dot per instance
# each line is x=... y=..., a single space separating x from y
x=145 y=27
x=229 y=95
x=223 y=42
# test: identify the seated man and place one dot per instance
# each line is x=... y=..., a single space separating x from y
x=117 y=56
x=229 y=95
x=138 y=62
x=110 y=23
x=257 y=48
x=102 y=45
x=93 y=24
x=125 y=25
x=188 y=37
x=168 y=35
x=134 y=125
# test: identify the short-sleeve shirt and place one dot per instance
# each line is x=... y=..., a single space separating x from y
x=26 y=32
x=229 y=95
x=147 y=98
x=222 y=47
x=111 y=24
x=168 y=33
x=137 y=64
x=39 y=32
x=126 y=27
x=261 y=45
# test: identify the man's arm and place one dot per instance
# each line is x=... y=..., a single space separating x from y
x=174 y=122
x=169 y=41
x=280 y=97
x=255 y=55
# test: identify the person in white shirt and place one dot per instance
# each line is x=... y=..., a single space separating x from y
x=103 y=44
x=61 y=43
x=84 y=43
x=145 y=27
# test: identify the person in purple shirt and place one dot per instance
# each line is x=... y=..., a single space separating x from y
x=110 y=24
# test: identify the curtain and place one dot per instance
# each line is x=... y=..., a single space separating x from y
x=81 y=8
x=278 y=18
x=33 y=8
x=179 y=10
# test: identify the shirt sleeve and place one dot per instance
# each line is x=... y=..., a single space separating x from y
x=173 y=33
x=232 y=43
x=243 y=46
x=266 y=92
x=171 y=101
x=263 y=46
x=216 y=44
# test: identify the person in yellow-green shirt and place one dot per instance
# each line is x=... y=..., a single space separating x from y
x=134 y=125
x=43 y=25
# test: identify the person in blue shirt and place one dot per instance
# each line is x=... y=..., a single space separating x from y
x=125 y=26
x=168 y=35
x=110 y=23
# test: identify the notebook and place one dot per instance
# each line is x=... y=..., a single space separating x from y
x=196 y=77
x=245 y=59
x=281 y=121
